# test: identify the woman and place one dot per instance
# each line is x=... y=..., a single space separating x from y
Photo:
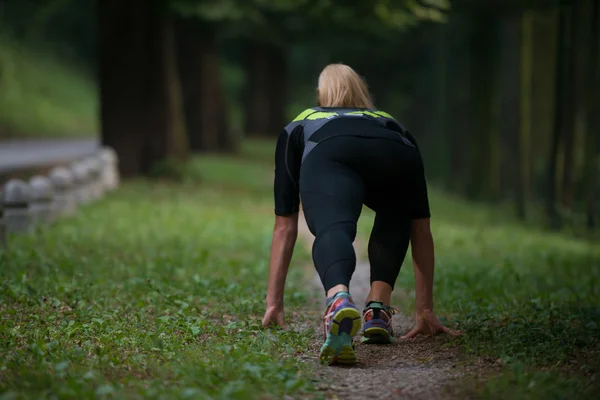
x=337 y=157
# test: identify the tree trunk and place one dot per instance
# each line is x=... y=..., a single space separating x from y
x=190 y=53
x=139 y=88
x=559 y=115
x=226 y=142
x=458 y=108
x=481 y=98
x=524 y=146
x=543 y=80
x=199 y=64
x=441 y=146
x=493 y=177
x=175 y=126
x=417 y=118
x=510 y=109
x=592 y=140
x=278 y=92
x=266 y=96
x=428 y=96
x=211 y=98
x=571 y=103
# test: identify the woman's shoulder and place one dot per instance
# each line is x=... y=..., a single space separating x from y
x=310 y=115
x=302 y=116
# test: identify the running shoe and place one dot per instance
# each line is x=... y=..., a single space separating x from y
x=342 y=321
x=377 y=319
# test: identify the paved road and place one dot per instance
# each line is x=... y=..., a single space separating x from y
x=22 y=154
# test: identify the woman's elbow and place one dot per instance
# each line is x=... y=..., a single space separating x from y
x=420 y=228
x=286 y=231
x=286 y=226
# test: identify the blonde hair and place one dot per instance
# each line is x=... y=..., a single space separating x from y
x=340 y=86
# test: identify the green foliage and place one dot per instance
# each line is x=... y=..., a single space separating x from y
x=275 y=20
x=42 y=95
x=155 y=292
x=527 y=299
x=542 y=385
x=65 y=27
x=173 y=169
x=433 y=10
x=505 y=5
x=235 y=10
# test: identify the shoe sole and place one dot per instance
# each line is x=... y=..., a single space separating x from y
x=338 y=346
x=377 y=335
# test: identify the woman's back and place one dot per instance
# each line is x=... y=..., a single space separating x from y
x=315 y=125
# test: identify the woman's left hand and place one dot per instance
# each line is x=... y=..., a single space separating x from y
x=428 y=324
x=274 y=317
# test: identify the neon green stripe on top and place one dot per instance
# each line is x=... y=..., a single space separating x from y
x=321 y=115
x=384 y=114
x=304 y=114
x=369 y=113
x=311 y=114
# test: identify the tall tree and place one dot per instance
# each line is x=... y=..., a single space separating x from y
x=200 y=69
x=560 y=114
x=140 y=95
x=592 y=139
x=459 y=130
x=510 y=108
x=543 y=47
x=483 y=62
x=525 y=132
x=441 y=118
x=573 y=101
x=266 y=92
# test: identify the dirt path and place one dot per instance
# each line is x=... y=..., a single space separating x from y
x=419 y=369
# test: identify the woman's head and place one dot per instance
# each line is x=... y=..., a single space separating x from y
x=340 y=86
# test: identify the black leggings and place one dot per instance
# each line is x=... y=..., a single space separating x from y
x=336 y=179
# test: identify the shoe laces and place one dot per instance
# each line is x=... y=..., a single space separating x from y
x=377 y=305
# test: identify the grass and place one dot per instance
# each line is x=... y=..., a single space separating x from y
x=42 y=96
x=155 y=292
x=158 y=290
x=528 y=300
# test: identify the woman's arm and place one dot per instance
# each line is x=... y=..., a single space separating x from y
x=423 y=261
x=285 y=233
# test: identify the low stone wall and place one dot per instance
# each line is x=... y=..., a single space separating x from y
x=43 y=199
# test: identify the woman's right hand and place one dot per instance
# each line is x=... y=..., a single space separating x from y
x=273 y=317
x=428 y=324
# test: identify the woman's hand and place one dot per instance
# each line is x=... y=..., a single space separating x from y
x=273 y=317
x=428 y=324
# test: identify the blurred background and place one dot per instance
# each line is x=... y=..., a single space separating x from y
x=503 y=96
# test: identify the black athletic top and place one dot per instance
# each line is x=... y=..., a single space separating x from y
x=315 y=125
